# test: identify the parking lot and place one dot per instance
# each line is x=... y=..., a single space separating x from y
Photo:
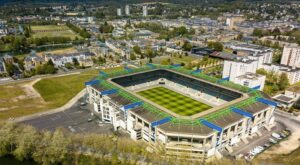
x=77 y=119
x=258 y=144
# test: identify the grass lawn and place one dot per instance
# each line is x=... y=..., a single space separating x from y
x=49 y=27
x=52 y=31
x=15 y=101
x=174 y=101
x=59 y=90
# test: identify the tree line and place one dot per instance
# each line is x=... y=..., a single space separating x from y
x=82 y=32
x=58 y=147
x=274 y=82
x=287 y=36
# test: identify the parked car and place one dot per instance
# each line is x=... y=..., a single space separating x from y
x=272 y=141
x=276 y=135
x=267 y=145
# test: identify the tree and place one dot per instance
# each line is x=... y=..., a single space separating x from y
x=257 y=32
x=68 y=65
x=52 y=149
x=132 y=56
x=150 y=53
x=188 y=66
x=215 y=45
x=7 y=138
x=276 y=32
x=283 y=82
x=27 y=32
x=106 y=28
x=75 y=62
x=82 y=32
x=40 y=69
x=187 y=46
x=137 y=49
x=25 y=144
x=50 y=69
x=240 y=36
x=261 y=71
x=10 y=69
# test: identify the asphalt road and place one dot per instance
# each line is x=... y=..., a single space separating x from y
x=74 y=119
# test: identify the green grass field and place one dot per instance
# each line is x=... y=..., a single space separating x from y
x=54 y=91
x=48 y=27
x=173 y=101
x=53 y=31
x=57 y=91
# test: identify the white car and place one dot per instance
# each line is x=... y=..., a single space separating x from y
x=277 y=136
x=272 y=140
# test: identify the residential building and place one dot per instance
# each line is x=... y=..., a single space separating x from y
x=262 y=54
x=291 y=56
x=127 y=10
x=3 y=28
x=287 y=99
x=232 y=20
x=32 y=61
x=145 y=11
x=2 y=66
x=84 y=59
x=238 y=67
x=8 y=59
x=119 y=12
x=117 y=47
x=251 y=80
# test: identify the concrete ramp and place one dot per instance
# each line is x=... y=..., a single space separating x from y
x=258 y=133
x=267 y=128
x=245 y=140
x=229 y=149
x=218 y=154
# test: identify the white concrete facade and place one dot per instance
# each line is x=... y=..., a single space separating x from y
x=119 y=12
x=145 y=11
x=233 y=69
x=291 y=56
x=127 y=10
x=251 y=80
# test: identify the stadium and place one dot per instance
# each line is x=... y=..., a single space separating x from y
x=184 y=112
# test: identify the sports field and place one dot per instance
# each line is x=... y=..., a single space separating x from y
x=174 y=101
x=52 y=31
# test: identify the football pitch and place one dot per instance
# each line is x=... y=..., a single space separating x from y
x=173 y=101
x=53 y=31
